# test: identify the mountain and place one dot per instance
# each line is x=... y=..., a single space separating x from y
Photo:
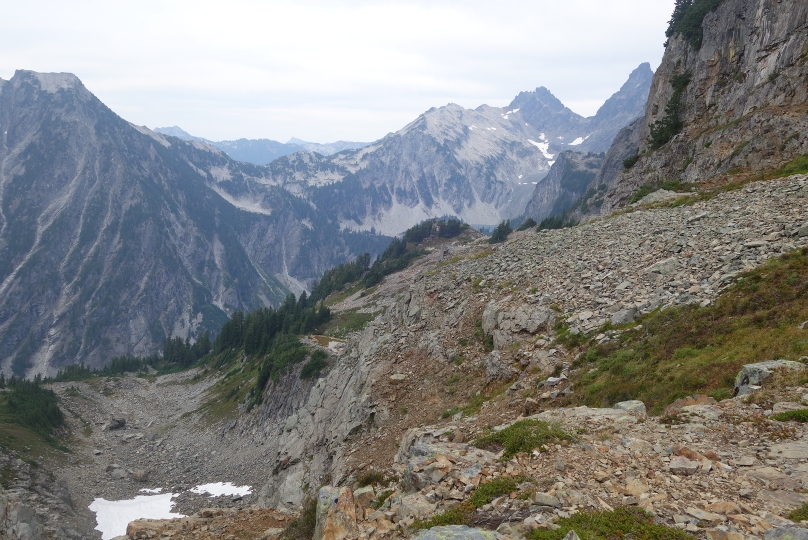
x=564 y=185
x=481 y=165
x=113 y=237
x=263 y=151
x=727 y=103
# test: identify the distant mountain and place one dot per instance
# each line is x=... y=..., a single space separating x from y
x=567 y=181
x=263 y=151
x=481 y=165
x=113 y=237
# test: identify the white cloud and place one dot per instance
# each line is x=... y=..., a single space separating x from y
x=329 y=70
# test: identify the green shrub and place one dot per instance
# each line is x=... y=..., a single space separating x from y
x=620 y=523
x=371 y=478
x=629 y=162
x=501 y=233
x=485 y=493
x=302 y=528
x=523 y=436
x=317 y=362
x=800 y=514
x=527 y=224
x=800 y=415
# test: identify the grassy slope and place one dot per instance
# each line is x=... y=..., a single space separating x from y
x=685 y=350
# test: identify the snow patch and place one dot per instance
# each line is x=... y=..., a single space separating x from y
x=543 y=146
x=578 y=141
x=218 y=489
x=114 y=516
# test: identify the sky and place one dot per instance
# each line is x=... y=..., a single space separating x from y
x=329 y=70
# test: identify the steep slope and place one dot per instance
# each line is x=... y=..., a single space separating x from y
x=480 y=165
x=741 y=104
x=263 y=151
x=113 y=237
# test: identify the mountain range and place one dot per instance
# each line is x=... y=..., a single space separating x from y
x=263 y=151
x=113 y=236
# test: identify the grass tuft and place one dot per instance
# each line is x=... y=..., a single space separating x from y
x=523 y=436
x=799 y=415
x=623 y=522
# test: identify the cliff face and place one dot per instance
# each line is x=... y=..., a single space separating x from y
x=743 y=111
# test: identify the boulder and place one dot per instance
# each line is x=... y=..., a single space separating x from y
x=633 y=405
x=455 y=532
x=364 y=496
x=755 y=374
x=140 y=475
x=624 y=316
x=336 y=514
x=116 y=423
x=416 y=506
x=682 y=466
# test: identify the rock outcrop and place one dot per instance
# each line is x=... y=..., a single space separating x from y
x=743 y=109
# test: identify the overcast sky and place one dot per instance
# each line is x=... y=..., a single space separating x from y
x=328 y=70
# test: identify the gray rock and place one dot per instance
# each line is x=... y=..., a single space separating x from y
x=415 y=506
x=116 y=423
x=545 y=499
x=455 y=532
x=682 y=466
x=496 y=369
x=786 y=533
x=755 y=374
x=624 y=316
x=633 y=405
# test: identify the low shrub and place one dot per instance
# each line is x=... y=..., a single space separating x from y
x=622 y=522
x=523 y=436
x=800 y=415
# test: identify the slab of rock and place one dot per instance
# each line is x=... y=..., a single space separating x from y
x=710 y=412
x=789 y=450
x=336 y=514
x=416 y=506
x=682 y=466
x=704 y=515
x=787 y=533
x=455 y=532
x=545 y=499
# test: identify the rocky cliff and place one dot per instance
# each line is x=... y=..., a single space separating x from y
x=113 y=237
x=742 y=109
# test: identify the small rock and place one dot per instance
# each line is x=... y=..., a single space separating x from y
x=633 y=405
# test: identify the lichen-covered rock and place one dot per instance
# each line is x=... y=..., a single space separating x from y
x=336 y=514
x=755 y=374
x=455 y=532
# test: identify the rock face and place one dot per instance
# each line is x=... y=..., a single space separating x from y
x=743 y=109
x=113 y=237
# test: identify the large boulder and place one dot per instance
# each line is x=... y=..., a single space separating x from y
x=336 y=514
x=496 y=368
x=755 y=374
x=502 y=320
